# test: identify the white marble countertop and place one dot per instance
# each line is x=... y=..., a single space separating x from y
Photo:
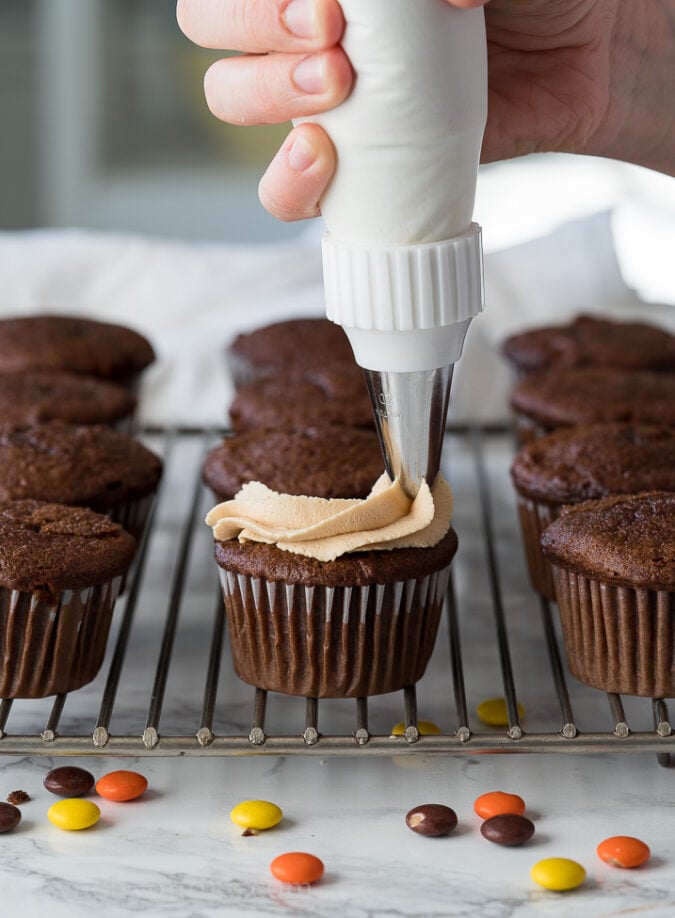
x=175 y=851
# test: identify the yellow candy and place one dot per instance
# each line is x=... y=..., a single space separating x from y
x=256 y=814
x=558 y=873
x=73 y=814
x=493 y=711
x=427 y=727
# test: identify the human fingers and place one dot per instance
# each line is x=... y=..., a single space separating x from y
x=260 y=26
x=297 y=177
x=269 y=89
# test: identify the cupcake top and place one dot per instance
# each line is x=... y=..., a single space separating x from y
x=324 y=462
x=593 y=461
x=592 y=341
x=622 y=540
x=585 y=395
x=333 y=395
x=41 y=395
x=72 y=343
x=267 y=562
x=293 y=343
x=94 y=466
x=48 y=548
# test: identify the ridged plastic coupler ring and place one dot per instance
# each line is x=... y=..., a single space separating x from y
x=401 y=288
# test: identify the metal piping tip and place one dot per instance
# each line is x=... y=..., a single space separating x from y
x=410 y=412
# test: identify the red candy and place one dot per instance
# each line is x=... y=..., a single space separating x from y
x=121 y=785
x=297 y=867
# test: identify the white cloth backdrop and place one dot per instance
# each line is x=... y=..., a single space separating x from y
x=190 y=299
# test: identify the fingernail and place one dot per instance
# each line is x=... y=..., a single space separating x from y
x=301 y=155
x=299 y=17
x=310 y=74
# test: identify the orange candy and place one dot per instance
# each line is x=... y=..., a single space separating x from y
x=497 y=803
x=623 y=851
x=297 y=867
x=121 y=785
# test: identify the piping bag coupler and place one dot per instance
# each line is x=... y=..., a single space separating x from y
x=402 y=260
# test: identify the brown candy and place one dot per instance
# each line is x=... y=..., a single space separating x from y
x=10 y=817
x=508 y=829
x=69 y=781
x=432 y=819
x=17 y=797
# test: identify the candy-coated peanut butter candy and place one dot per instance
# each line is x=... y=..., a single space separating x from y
x=73 y=814
x=297 y=867
x=256 y=814
x=493 y=711
x=121 y=786
x=69 y=781
x=425 y=728
x=497 y=803
x=558 y=873
x=623 y=851
x=10 y=817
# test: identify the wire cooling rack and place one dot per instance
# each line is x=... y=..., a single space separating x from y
x=167 y=686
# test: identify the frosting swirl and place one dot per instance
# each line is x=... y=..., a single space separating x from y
x=325 y=529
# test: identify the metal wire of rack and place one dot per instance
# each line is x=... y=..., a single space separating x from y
x=92 y=733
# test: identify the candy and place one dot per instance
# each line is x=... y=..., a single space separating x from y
x=121 y=785
x=425 y=727
x=623 y=851
x=256 y=814
x=69 y=781
x=297 y=867
x=431 y=819
x=10 y=817
x=495 y=803
x=558 y=873
x=508 y=829
x=73 y=814
x=493 y=712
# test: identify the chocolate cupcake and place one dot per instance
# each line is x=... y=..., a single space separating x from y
x=74 y=344
x=333 y=395
x=45 y=395
x=92 y=466
x=326 y=622
x=546 y=401
x=614 y=572
x=318 y=461
x=585 y=463
x=60 y=572
x=591 y=341
x=286 y=346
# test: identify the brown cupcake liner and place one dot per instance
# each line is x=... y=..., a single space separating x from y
x=617 y=638
x=133 y=515
x=242 y=371
x=324 y=642
x=526 y=429
x=50 y=646
x=535 y=517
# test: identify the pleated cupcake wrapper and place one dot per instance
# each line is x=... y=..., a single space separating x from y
x=243 y=371
x=617 y=638
x=325 y=642
x=49 y=647
x=535 y=517
x=526 y=429
x=133 y=515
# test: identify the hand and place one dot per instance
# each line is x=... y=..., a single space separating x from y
x=590 y=76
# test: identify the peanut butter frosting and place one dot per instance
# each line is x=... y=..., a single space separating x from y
x=325 y=529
